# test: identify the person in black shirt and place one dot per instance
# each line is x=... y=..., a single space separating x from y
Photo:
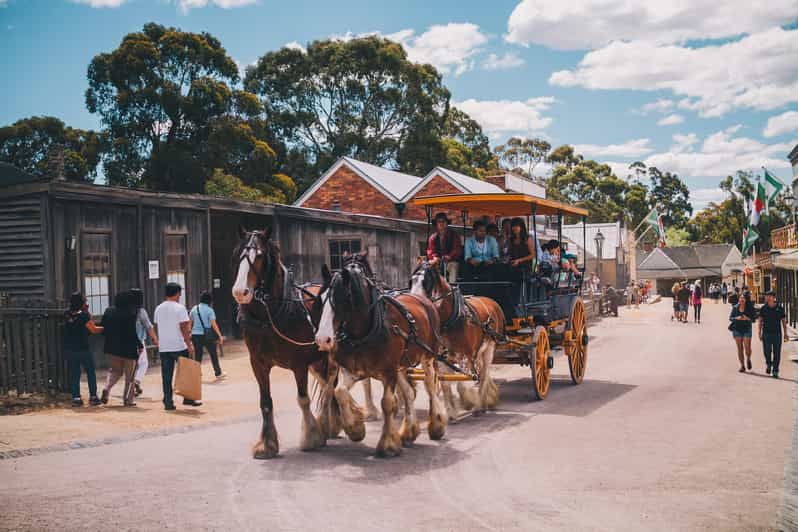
x=77 y=326
x=734 y=297
x=742 y=317
x=683 y=296
x=772 y=320
x=122 y=345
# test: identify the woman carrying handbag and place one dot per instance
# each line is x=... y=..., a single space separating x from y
x=205 y=332
x=741 y=319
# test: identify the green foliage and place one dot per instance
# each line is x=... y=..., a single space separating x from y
x=592 y=185
x=229 y=186
x=523 y=155
x=675 y=236
x=671 y=196
x=724 y=222
x=27 y=144
x=363 y=98
x=169 y=107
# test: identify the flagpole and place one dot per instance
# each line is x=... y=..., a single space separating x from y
x=644 y=220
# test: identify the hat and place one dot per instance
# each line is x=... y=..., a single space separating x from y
x=442 y=216
x=770 y=293
x=570 y=256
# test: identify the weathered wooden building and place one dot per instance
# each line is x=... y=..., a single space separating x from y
x=57 y=237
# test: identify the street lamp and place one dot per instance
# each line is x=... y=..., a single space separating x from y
x=599 y=240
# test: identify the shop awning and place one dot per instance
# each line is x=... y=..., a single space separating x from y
x=786 y=259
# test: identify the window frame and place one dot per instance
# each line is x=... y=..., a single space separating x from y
x=338 y=239
x=166 y=270
x=81 y=270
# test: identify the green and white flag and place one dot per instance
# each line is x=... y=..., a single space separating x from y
x=750 y=236
x=773 y=187
x=655 y=220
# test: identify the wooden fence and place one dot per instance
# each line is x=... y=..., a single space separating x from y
x=31 y=358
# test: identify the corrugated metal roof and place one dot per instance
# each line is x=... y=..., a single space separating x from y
x=395 y=183
x=469 y=184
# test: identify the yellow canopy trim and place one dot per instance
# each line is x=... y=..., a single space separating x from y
x=501 y=204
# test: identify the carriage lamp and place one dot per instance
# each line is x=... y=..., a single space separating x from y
x=70 y=242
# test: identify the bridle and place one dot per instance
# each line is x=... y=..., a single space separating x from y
x=262 y=295
x=376 y=310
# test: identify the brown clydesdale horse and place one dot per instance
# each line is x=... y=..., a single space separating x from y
x=370 y=333
x=470 y=327
x=275 y=316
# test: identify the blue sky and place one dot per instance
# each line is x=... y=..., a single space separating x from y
x=700 y=90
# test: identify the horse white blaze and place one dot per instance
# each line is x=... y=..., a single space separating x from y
x=417 y=284
x=325 y=334
x=242 y=292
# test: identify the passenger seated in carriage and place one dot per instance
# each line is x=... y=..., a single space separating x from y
x=521 y=254
x=571 y=271
x=481 y=254
x=445 y=248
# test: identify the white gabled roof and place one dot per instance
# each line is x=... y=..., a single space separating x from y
x=394 y=185
x=463 y=183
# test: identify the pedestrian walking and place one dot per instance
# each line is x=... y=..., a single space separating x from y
x=675 y=293
x=77 y=327
x=174 y=336
x=683 y=295
x=742 y=318
x=121 y=345
x=205 y=332
x=734 y=296
x=724 y=292
x=772 y=321
x=698 y=295
x=144 y=328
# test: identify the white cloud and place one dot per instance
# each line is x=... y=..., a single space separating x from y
x=781 y=124
x=585 y=24
x=95 y=3
x=187 y=5
x=720 y=154
x=508 y=60
x=671 y=120
x=700 y=198
x=632 y=149
x=509 y=115
x=660 y=106
x=757 y=71
x=450 y=47
x=294 y=45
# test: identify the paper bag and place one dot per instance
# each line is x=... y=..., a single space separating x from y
x=188 y=379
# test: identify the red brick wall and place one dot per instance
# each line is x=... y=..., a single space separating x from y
x=437 y=185
x=497 y=180
x=353 y=193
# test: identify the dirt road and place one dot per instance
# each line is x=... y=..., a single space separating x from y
x=664 y=434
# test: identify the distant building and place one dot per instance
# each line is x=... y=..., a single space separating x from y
x=615 y=268
x=356 y=187
x=708 y=262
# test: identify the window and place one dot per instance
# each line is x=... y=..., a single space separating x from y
x=96 y=249
x=176 y=262
x=339 y=247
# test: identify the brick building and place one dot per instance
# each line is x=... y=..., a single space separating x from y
x=357 y=187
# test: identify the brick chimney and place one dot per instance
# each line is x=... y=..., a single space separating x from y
x=498 y=180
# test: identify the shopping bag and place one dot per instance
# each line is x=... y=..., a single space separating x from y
x=188 y=379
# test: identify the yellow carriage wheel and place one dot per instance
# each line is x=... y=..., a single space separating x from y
x=541 y=372
x=576 y=349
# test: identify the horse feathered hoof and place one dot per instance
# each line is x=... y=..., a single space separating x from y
x=408 y=433
x=389 y=447
x=356 y=432
x=265 y=450
x=437 y=428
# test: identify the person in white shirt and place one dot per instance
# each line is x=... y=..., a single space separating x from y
x=174 y=339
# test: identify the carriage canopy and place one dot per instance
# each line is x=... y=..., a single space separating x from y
x=501 y=204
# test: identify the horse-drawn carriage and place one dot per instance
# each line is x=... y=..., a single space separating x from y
x=543 y=309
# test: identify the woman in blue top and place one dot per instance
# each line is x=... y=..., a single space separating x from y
x=481 y=253
x=203 y=319
x=742 y=317
x=144 y=328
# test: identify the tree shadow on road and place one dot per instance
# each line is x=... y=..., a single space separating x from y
x=564 y=398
